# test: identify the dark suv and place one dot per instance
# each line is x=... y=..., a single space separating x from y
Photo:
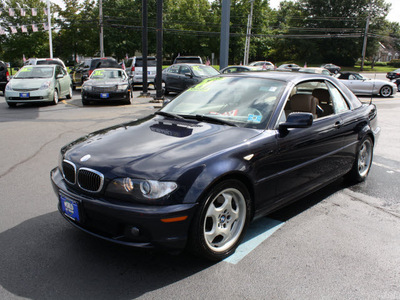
x=4 y=76
x=83 y=71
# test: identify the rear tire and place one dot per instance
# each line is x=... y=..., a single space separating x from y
x=363 y=161
x=385 y=91
x=221 y=221
x=69 y=96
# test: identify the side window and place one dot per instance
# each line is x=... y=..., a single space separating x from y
x=352 y=77
x=339 y=103
x=184 y=70
x=174 y=69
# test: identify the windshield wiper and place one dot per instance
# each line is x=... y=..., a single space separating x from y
x=169 y=115
x=204 y=118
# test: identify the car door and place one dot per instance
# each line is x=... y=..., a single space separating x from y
x=63 y=81
x=360 y=85
x=309 y=157
x=172 y=78
x=186 y=77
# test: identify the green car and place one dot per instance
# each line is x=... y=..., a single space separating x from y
x=39 y=83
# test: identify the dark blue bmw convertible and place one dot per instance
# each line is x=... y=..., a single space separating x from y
x=222 y=153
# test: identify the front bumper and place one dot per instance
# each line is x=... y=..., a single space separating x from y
x=29 y=96
x=128 y=224
x=106 y=96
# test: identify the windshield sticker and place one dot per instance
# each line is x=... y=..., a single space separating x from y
x=254 y=118
x=203 y=86
x=26 y=69
x=98 y=73
x=231 y=113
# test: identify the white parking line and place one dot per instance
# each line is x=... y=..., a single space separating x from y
x=258 y=232
x=386 y=167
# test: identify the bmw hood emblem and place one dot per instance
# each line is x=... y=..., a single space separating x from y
x=85 y=158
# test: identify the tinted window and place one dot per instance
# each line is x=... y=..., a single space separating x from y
x=151 y=62
x=104 y=63
x=194 y=60
x=49 y=62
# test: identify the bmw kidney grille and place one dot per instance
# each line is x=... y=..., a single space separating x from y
x=87 y=179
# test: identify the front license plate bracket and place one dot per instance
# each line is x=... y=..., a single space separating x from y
x=70 y=208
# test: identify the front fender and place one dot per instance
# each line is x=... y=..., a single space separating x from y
x=214 y=172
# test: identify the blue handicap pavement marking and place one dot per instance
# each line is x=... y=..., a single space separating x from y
x=258 y=232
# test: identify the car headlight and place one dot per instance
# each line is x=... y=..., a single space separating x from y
x=122 y=87
x=45 y=85
x=139 y=189
x=8 y=87
x=87 y=88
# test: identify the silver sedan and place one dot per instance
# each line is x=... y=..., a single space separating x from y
x=361 y=85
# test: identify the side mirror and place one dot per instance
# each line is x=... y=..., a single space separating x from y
x=297 y=120
x=59 y=76
x=189 y=75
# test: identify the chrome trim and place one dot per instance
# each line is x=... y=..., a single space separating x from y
x=73 y=165
x=95 y=172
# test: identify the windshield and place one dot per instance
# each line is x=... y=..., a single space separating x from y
x=101 y=74
x=35 y=72
x=245 y=102
x=204 y=71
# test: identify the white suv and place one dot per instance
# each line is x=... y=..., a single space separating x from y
x=45 y=61
x=134 y=69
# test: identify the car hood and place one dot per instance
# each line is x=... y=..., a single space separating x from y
x=153 y=147
x=26 y=83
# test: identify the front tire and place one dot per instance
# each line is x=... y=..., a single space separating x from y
x=385 y=91
x=363 y=162
x=55 y=97
x=220 y=223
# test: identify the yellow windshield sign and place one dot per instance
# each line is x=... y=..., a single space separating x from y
x=204 y=86
x=98 y=73
x=26 y=69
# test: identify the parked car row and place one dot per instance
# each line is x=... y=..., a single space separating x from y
x=175 y=78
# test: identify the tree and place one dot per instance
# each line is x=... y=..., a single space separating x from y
x=31 y=44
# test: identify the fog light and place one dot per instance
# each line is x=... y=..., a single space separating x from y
x=135 y=231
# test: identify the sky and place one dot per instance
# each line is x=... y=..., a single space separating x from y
x=393 y=16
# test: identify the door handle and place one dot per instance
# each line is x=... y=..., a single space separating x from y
x=338 y=124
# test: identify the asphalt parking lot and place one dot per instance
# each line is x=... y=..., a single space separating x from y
x=342 y=242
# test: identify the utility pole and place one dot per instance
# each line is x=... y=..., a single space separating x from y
x=366 y=36
x=248 y=35
x=101 y=28
x=224 y=45
x=49 y=21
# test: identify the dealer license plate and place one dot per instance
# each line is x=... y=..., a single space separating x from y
x=69 y=207
x=24 y=95
x=104 y=95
